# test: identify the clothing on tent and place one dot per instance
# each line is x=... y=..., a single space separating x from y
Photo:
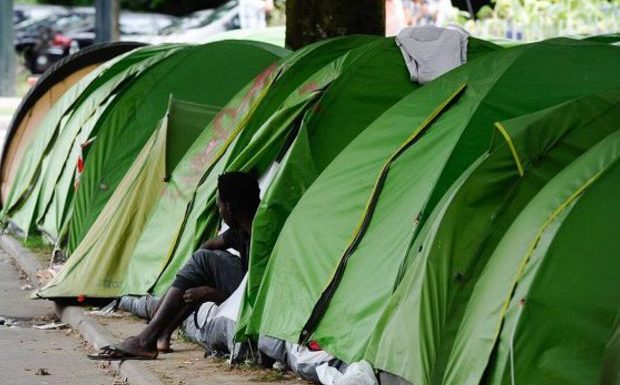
x=431 y=51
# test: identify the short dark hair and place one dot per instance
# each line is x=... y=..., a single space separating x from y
x=240 y=190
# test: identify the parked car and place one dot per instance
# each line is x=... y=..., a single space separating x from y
x=200 y=25
x=42 y=42
x=34 y=12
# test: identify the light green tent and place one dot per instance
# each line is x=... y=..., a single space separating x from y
x=343 y=249
x=99 y=264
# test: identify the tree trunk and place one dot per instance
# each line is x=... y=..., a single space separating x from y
x=308 y=21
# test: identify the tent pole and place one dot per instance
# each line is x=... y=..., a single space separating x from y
x=470 y=9
x=7 y=49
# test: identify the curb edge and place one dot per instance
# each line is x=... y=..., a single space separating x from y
x=96 y=334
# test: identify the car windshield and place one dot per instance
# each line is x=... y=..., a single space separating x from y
x=33 y=24
x=201 y=18
x=74 y=21
x=145 y=24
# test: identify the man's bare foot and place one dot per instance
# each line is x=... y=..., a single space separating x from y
x=199 y=294
x=136 y=346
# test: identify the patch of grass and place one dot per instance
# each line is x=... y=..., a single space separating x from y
x=38 y=244
x=270 y=376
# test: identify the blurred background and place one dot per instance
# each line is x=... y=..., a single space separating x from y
x=45 y=31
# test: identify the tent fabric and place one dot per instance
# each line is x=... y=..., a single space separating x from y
x=323 y=133
x=533 y=269
x=91 y=91
x=610 y=371
x=24 y=132
x=103 y=254
x=130 y=119
x=276 y=129
x=446 y=261
x=100 y=255
x=262 y=131
x=40 y=98
x=311 y=245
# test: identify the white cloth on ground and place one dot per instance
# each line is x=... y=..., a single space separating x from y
x=431 y=51
x=358 y=373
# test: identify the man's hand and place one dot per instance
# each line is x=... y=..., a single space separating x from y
x=201 y=294
x=198 y=294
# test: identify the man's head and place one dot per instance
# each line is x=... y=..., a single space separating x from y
x=238 y=197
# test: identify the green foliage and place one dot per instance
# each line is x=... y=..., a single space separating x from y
x=540 y=19
x=38 y=244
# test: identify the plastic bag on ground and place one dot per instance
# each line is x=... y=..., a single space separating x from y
x=358 y=373
x=301 y=360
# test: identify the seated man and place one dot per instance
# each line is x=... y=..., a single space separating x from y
x=211 y=274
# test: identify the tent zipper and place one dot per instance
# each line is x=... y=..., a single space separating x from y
x=323 y=303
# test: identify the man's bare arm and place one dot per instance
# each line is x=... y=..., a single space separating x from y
x=216 y=243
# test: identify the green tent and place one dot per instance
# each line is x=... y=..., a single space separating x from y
x=207 y=74
x=344 y=110
x=124 y=270
x=254 y=119
x=99 y=264
x=450 y=257
x=51 y=134
x=342 y=250
x=119 y=111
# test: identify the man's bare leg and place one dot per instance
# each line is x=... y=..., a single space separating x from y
x=193 y=297
x=158 y=305
x=163 y=341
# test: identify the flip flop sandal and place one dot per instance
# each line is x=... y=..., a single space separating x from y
x=112 y=353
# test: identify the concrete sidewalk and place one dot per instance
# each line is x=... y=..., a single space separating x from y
x=31 y=356
x=186 y=366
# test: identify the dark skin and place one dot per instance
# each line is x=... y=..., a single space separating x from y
x=203 y=294
x=176 y=305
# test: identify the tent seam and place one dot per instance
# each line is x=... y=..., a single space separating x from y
x=512 y=147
